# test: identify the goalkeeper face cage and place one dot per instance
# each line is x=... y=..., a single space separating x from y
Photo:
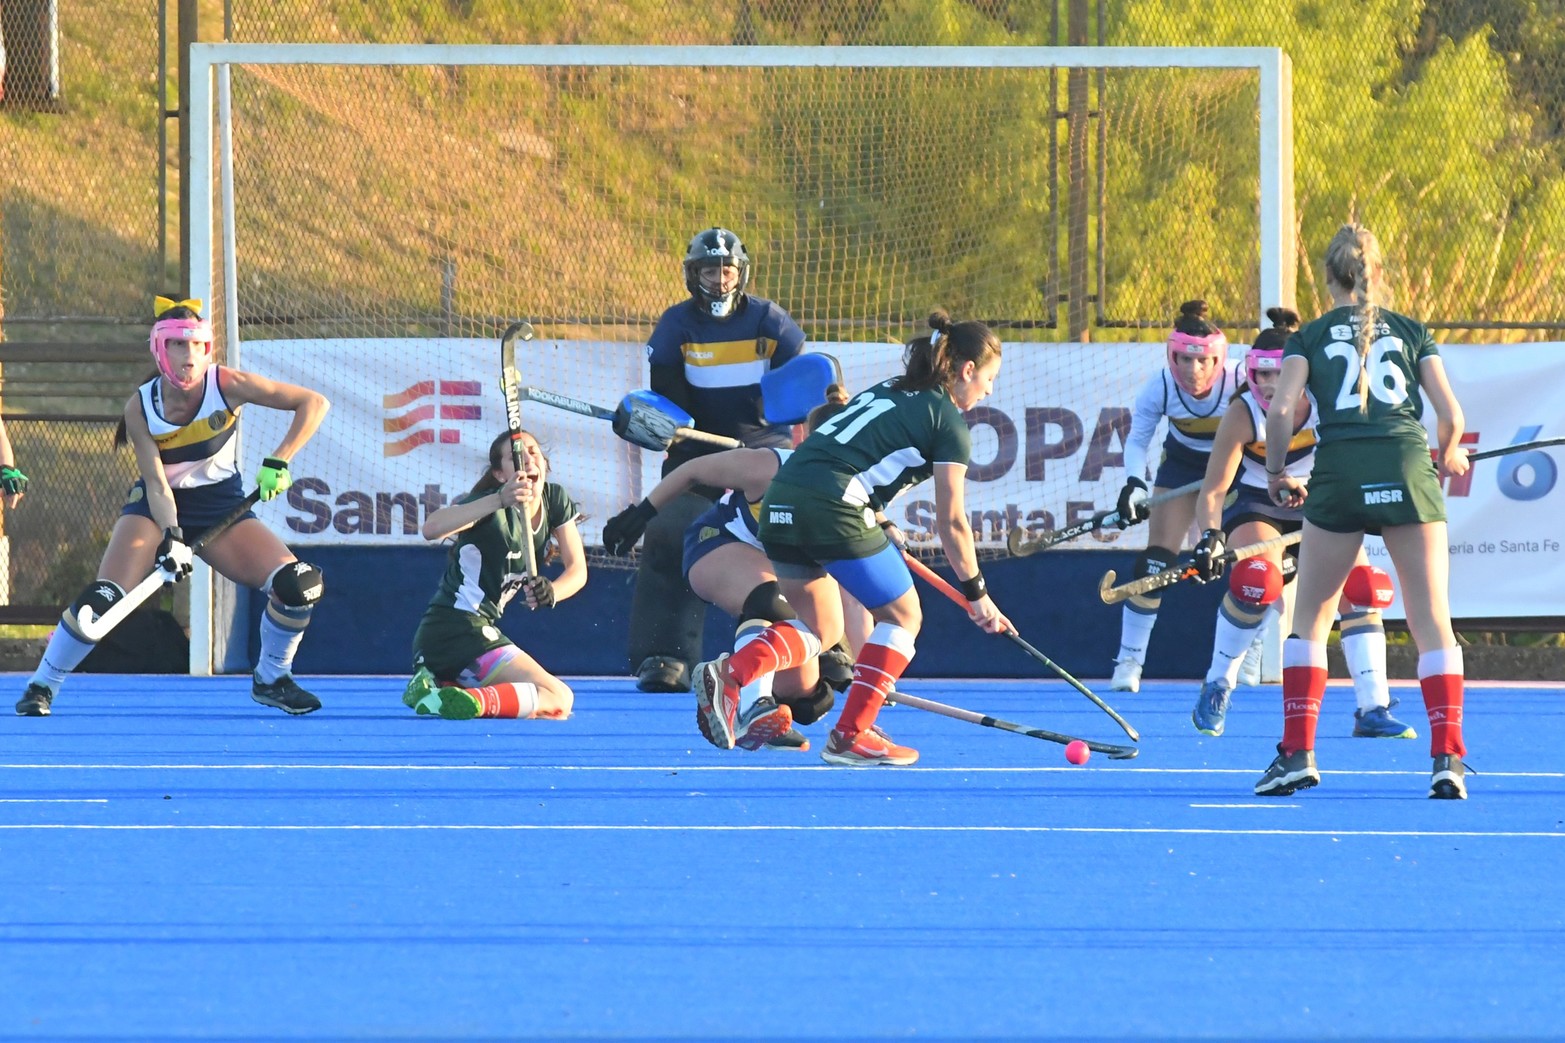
x=716 y=246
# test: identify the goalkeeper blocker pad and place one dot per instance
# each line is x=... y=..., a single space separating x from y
x=790 y=391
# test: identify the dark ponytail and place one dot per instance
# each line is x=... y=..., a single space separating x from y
x=932 y=361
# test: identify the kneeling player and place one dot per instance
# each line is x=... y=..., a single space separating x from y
x=464 y=667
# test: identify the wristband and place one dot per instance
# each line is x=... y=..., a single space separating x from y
x=1276 y=474
x=974 y=589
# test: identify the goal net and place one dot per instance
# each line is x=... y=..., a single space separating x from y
x=368 y=218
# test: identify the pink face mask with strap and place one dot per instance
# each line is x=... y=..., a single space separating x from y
x=1211 y=346
x=1261 y=360
x=196 y=331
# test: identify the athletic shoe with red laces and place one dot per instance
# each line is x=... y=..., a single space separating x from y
x=764 y=721
x=866 y=749
x=717 y=703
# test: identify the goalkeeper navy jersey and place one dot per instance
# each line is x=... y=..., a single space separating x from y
x=722 y=362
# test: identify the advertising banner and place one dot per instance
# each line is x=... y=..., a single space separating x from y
x=412 y=420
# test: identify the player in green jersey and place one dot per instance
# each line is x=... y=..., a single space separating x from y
x=464 y=667
x=820 y=528
x=1370 y=372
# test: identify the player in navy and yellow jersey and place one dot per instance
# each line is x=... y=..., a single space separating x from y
x=1370 y=372
x=820 y=525
x=464 y=667
x=181 y=425
x=707 y=354
x=1255 y=589
x=1192 y=394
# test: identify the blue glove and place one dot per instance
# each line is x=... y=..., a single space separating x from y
x=274 y=477
x=12 y=481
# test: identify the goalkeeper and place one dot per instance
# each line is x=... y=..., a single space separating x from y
x=707 y=354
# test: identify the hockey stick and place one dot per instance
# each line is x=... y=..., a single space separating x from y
x=509 y=381
x=96 y=628
x=934 y=579
x=1020 y=547
x=638 y=419
x=1118 y=753
x=1522 y=447
x=1178 y=573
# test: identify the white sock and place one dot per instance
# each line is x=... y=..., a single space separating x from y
x=1230 y=642
x=63 y=654
x=1365 y=652
x=280 y=642
x=1135 y=630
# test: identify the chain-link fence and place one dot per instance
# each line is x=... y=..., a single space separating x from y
x=1440 y=123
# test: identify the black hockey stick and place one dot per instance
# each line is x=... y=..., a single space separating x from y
x=1020 y=546
x=96 y=628
x=1521 y=447
x=1179 y=572
x=1110 y=750
x=935 y=580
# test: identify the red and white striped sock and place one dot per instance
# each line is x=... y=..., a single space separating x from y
x=781 y=646
x=881 y=661
x=1440 y=675
x=506 y=700
x=1303 y=687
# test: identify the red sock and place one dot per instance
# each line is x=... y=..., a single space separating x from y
x=506 y=700
x=881 y=661
x=781 y=646
x=1303 y=687
x=1440 y=677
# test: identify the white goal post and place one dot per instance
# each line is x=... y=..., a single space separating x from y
x=223 y=244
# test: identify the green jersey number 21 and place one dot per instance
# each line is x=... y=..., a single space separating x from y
x=866 y=406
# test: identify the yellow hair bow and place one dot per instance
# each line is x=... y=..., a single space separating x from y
x=163 y=304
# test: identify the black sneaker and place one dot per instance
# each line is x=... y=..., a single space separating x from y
x=1288 y=772
x=34 y=702
x=283 y=693
x=662 y=674
x=1448 y=782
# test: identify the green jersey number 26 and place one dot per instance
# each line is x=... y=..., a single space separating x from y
x=1387 y=381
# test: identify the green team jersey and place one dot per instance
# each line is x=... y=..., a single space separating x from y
x=883 y=443
x=486 y=566
x=1395 y=403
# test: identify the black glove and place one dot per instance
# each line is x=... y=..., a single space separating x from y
x=1208 y=556
x=621 y=532
x=1132 y=503
x=173 y=556
x=541 y=590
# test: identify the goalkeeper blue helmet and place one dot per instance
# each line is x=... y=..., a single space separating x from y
x=716 y=246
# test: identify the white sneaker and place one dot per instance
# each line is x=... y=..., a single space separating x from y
x=1250 y=668
x=1127 y=676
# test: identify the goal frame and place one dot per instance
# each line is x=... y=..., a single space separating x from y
x=208 y=144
